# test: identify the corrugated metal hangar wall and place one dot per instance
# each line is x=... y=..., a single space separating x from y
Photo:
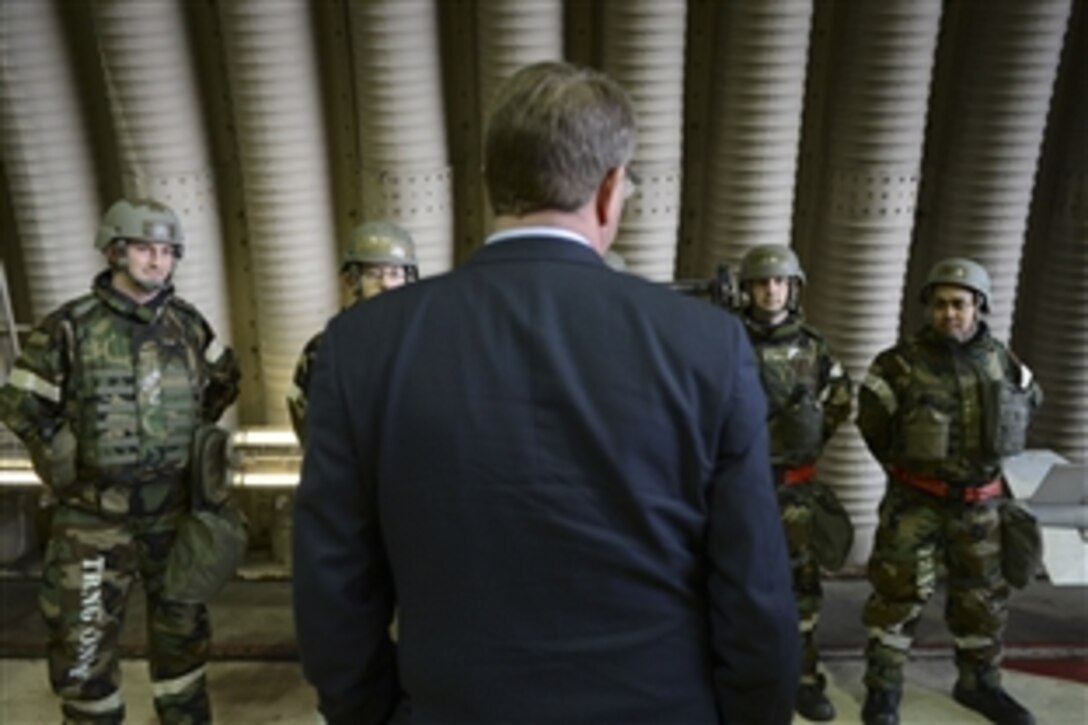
x=875 y=137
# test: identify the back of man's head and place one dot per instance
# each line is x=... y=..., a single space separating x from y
x=554 y=131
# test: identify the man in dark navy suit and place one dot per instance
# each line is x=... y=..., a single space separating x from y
x=557 y=474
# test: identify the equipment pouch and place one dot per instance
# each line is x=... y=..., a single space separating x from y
x=212 y=538
x=1021 y=544
x=925 y=434
x=832 y=533
x=209 y=547
x=1010 y=418
x=799 y=427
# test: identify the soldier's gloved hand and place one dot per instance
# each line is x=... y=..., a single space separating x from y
x=55 y=461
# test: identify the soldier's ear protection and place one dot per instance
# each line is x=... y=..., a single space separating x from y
x=115 y=254
x=352 y=274
x=116 y=248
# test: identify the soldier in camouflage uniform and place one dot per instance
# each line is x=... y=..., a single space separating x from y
x=381 y=256
x=809 y=395
x=106 y=396
x=939 y=411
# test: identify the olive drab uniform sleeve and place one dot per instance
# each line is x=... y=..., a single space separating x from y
x=878 y=402
x=300 y=383
x=32 y=401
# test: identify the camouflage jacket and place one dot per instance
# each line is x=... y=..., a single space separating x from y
x=128 y=383
x=947 y=410
x=808 y=390
x=300 y=383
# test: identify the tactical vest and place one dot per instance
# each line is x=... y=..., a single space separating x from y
x=136 y=386
x=790 y=368
x=959 y=413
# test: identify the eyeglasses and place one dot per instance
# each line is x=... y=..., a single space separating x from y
x=631 y=182
x=377 y=274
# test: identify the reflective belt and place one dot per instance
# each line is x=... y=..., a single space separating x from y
x=797 y=475
x=941 y=489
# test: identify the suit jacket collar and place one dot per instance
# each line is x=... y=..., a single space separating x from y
x=536 y=248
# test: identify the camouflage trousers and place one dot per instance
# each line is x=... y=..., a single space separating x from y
x=795 y=504
x=89 y=567
x=917 y=533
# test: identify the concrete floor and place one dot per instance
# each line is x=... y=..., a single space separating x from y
x=274 y=692
x=242 y=692
x=254 y=678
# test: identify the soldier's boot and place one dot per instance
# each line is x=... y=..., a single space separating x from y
x=881 y=706
x=182 y=702
x=883 y=682
x=193 y=710
x=811 y=703
x=73 y=714
x=993 y=703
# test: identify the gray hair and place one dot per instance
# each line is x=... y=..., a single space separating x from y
x=554 y=131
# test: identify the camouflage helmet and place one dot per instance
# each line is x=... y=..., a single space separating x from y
x=144 y=219
x=770 y=260
x=380 y=243
x=959 y=272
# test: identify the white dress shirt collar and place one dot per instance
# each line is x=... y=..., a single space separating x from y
x=541 y=231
